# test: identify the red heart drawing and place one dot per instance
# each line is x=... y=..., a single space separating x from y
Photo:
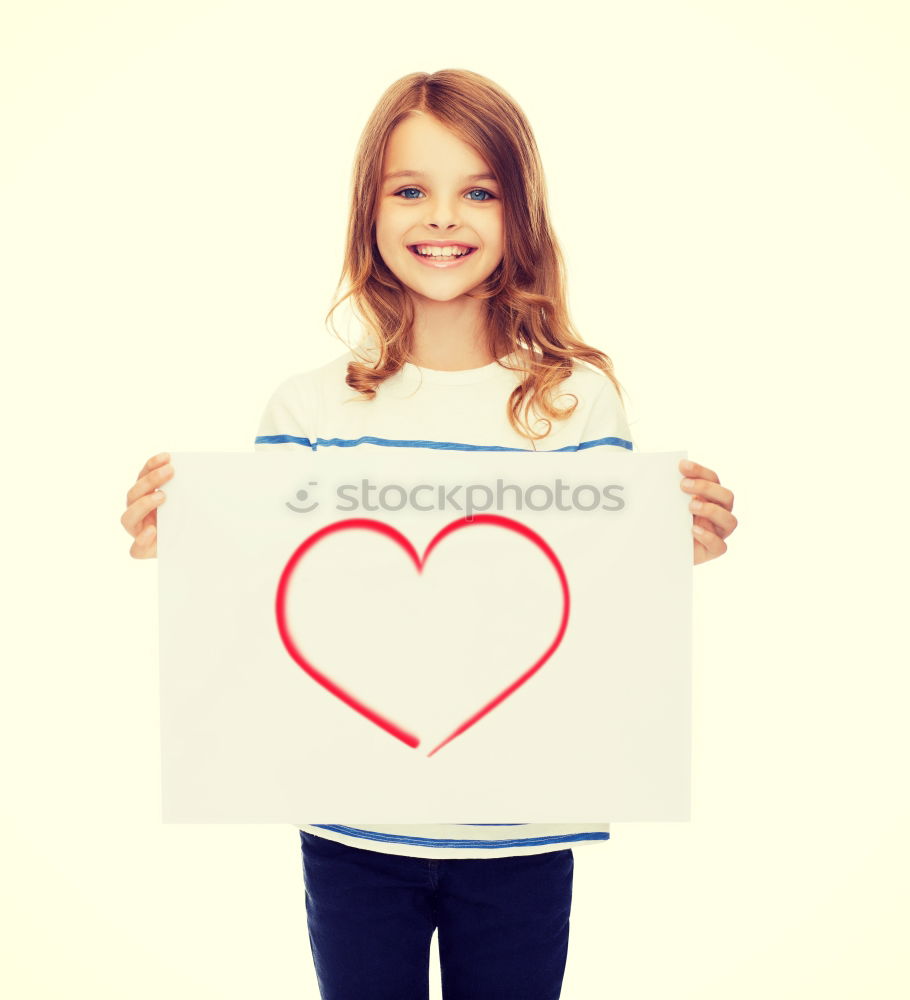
x=384 y=529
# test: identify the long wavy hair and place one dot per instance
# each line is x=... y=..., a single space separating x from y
x=526 y=315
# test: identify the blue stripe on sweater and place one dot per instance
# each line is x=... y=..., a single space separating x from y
x=392 y=838
x=444 y=445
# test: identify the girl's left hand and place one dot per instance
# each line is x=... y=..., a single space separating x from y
x=712 y=509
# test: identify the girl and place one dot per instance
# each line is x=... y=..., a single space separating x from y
x=456 y=271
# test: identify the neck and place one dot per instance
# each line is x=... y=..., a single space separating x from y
x=449 y=336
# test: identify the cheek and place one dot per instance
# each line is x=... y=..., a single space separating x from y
x=388 y=227
x=386 y=242
x=494 y=241
x=495 y=231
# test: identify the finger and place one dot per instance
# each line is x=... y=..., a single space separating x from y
x=142 y=512
x=707 y=544
x=146 y=544
x=134 y=517
x=153 y=463
x=695 y=471
x=713 y=517
x=706 y=489
x=150 y=481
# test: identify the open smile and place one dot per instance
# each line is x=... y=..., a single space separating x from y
x=440 y=260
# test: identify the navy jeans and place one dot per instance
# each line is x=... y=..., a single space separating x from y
x=503 y=923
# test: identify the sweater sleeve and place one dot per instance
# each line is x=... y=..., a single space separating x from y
x=607 y=423
x=287 y=422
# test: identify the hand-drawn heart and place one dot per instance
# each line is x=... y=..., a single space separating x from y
x=396 y=536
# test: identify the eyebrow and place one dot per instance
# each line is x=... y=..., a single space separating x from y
x=418 y=173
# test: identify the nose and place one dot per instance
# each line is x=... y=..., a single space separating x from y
x=442 y=214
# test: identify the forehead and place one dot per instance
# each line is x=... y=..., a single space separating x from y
x=422 y=147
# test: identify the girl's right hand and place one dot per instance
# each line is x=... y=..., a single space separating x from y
x=142 y=502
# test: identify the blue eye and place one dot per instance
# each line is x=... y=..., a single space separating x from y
x=490 y=195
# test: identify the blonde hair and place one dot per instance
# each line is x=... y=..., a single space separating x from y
x=525 y=311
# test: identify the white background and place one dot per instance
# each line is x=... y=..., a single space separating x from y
x=729 y=184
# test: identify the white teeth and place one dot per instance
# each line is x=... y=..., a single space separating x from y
x=441 y=251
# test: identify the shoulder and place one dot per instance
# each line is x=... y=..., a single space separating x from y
x=305 y=384
x=600 y=406
x=591 y=387
x=295 y=409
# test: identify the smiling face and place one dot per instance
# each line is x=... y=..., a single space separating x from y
x=440 y=196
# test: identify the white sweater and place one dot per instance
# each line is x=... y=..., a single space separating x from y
x=421 y=408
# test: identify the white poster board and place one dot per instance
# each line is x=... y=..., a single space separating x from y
x=433 y=637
